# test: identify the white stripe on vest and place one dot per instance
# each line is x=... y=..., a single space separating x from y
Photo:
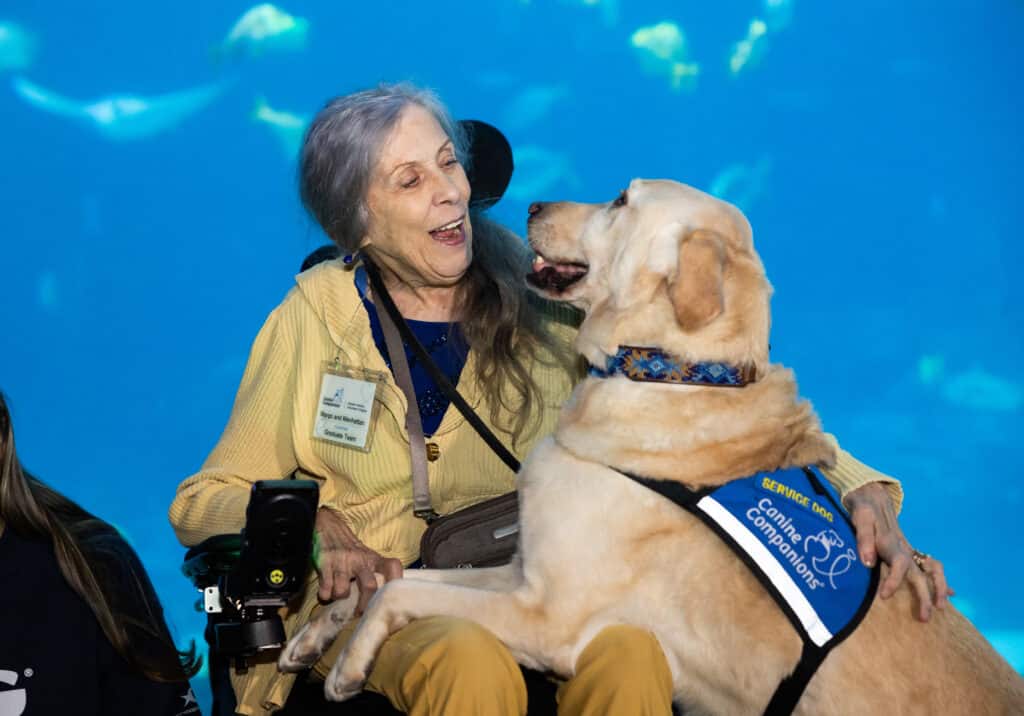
x=794 y=596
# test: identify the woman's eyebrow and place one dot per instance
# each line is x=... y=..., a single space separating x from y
x=410 y=163
x=448 y=143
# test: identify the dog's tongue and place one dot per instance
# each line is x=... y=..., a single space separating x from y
x=554 y=277
x=539 y=265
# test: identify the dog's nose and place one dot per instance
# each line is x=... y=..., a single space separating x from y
x=535 y=208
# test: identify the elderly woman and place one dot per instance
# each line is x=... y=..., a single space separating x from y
x=383 y=172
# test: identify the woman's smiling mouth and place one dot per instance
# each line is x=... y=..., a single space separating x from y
x=451 y=234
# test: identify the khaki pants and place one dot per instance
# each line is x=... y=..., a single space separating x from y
x=450 y=666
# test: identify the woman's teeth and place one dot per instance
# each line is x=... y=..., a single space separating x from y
x=453 y=225
x=449 y=232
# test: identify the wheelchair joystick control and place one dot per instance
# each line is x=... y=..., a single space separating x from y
x=246 y=578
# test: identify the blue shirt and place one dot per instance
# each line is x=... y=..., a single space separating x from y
x=445 y=344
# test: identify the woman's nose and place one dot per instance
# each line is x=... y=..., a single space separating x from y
x=448 y=190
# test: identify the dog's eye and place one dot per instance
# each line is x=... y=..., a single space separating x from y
x=621 y=200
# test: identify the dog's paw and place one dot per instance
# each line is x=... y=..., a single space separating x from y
x=300 y=652
x=343 y=683
x=316 y=637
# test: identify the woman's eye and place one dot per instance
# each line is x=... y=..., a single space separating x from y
x=450 y=162
x=410 y=182
x=621 y=200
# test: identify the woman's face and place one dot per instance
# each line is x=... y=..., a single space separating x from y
x=419 y=204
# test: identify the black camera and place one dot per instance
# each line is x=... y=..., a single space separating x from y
x=246 y=578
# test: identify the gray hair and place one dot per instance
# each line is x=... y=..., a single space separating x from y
x=507 y=327
x=341 y=149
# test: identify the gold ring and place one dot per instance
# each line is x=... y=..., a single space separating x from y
x=919 y=558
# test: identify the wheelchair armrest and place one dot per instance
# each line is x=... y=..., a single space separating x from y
x=212 y=558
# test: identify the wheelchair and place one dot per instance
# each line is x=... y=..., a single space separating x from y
x=245 y=578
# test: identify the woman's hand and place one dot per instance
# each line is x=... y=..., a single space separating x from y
x=341 y=559
x=879 y=535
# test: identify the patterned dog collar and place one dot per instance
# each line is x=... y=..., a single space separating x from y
x=653 y=365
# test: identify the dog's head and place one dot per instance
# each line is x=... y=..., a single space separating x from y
x=664 y=265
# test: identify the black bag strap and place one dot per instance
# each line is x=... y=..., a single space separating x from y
x=382 y=295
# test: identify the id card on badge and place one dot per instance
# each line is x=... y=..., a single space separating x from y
x=347 y=412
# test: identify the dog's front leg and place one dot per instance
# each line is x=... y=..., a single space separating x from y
x=496 y=579
x=316 y=636
x=403 y=600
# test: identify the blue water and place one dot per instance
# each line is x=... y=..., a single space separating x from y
x=876 y=148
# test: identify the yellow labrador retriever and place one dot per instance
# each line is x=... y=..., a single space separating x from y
x=666 y=265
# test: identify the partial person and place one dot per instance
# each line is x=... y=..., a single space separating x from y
x=82 y=629
x=384 y=173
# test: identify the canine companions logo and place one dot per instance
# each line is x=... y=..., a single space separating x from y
x=12 y=702
x=826 y=564
x=781 y=532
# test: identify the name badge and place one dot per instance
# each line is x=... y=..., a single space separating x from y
x=346 y=411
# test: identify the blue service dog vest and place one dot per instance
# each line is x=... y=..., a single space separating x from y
x=791 y=530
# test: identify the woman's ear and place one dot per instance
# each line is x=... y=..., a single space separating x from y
x=697 y=293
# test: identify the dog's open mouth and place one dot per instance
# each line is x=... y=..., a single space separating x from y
x=555 y=276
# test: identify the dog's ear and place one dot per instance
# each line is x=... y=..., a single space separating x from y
x=696 y=292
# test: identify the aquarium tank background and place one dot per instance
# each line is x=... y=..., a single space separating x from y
x=149 y=217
